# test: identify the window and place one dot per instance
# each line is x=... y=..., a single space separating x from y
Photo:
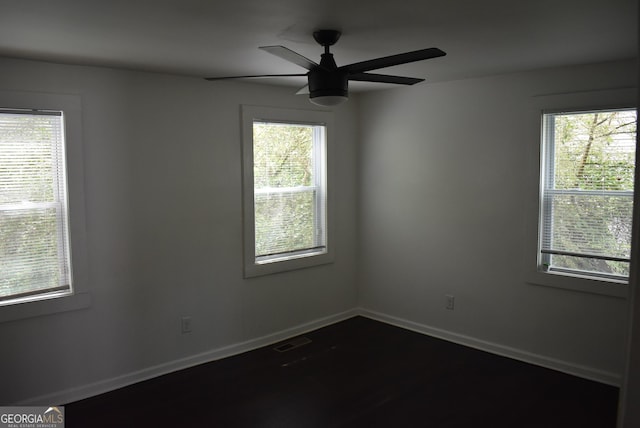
x=289 y=191
x=587 y=193
x=285 y=185
x=34 y=239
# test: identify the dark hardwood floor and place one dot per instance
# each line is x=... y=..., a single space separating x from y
x=357 y=373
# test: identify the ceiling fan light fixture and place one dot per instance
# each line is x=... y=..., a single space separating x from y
x=329 y=100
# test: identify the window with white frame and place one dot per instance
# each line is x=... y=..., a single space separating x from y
x=285 y=185
x=34 y=241
x=588 y=163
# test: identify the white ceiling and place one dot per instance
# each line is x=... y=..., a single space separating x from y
x=220 y=37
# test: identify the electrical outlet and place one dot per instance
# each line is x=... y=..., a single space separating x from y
x=450 y=301
x=186 y=325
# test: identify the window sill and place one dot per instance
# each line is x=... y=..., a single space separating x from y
x=45 y=307
x=579 y=283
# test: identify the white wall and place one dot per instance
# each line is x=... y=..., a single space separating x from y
x=446 y=181
x=163 y=216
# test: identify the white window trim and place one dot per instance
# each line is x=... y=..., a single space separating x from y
x=80 y=297
x=555 y=103
x=252 y=268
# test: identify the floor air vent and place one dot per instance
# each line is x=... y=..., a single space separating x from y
x=292 y=344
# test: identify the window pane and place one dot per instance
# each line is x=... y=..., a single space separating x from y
x=595 y=151
x=288 y=197
x=282 y=155
x=27 y=146
x=29 y=248
x=285 y=222
x=590 y=265
x=34 y=255
x=590 y=224
x=588 y=190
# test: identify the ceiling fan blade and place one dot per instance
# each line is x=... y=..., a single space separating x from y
x=291 y=56
x=392 y=60
x=254 y=76
x=303 y=91
x=384 y=78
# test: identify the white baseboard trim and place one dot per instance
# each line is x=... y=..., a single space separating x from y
x=107 y=385
x=585 y=372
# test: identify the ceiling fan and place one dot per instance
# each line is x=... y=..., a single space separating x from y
x=328 y=84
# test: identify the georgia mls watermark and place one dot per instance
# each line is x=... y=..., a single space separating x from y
x=32 y=417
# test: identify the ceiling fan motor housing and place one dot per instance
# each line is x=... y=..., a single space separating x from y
x=328 y=84
x=328 y=80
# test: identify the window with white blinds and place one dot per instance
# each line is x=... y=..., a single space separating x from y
x=289 y=194
x=286 y=210
x=587 y=193
x=34 y=241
